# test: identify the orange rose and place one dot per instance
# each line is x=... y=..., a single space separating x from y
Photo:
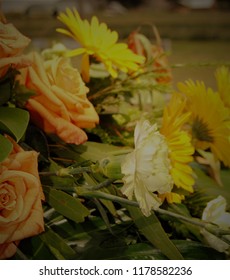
x=12 y=43
x=21 y=213
x=61 y=105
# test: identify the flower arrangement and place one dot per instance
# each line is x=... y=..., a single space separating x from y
x=107 y=160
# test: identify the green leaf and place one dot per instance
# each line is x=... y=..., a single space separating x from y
x=76 y=232
x=114 y=247
x=207 y=189
x=36 y=139
x=6 y=85
x=192 y=250
x=143 y=251
x=5 y=89
x=6 y=147
x=13 y=121
x=225 y=177
x=189 y=249
x=151 y=228
x=67 y=205
x=97 y=151
x=57 y=245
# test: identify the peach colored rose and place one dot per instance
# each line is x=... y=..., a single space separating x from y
x=7 y=250
x=21 y=213
x=61 y=106
x=12 y=43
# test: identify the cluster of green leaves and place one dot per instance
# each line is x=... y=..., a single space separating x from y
x=82 y=223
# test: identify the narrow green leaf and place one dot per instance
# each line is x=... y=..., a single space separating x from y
x=57 y=245
x=56 y=253
x=6 y=147
x=13 y=121
x=98 y=151
x=151 y=228
x=67 y=205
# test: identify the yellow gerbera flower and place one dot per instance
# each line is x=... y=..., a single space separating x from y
x=210 y=124
x=97 y=40
x=179 y=143
x=223 y=83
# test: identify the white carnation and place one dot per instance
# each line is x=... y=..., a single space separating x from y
x=147 y=169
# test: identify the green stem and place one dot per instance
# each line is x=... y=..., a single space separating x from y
x=48 y=173
x=203 y=64
x=101 y=92
x=63 y=172
x=114 y=198
x=116 y=85
x=208 y=226
x=104 y=184
x=186 y=219
x=79 y=170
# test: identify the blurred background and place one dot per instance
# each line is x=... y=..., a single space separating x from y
x=193 y=32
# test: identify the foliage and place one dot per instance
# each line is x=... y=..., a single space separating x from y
x=87 y=214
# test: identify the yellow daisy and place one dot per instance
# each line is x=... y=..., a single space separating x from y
x=210 y=124
x=179 y=143
x=223 y=84
x=97 y=40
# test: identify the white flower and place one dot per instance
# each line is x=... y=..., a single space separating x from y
x=146 y=169
x=215 y=212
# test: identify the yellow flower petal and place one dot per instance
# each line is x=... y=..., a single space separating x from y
x=99 y=41
x=179 y=142
x=223 y=83
x=209 y=119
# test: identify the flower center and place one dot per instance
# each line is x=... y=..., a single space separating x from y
x=201 y=131
x=7 y=197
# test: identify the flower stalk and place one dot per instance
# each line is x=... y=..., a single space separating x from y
x=65 y=172
x=203 y=224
